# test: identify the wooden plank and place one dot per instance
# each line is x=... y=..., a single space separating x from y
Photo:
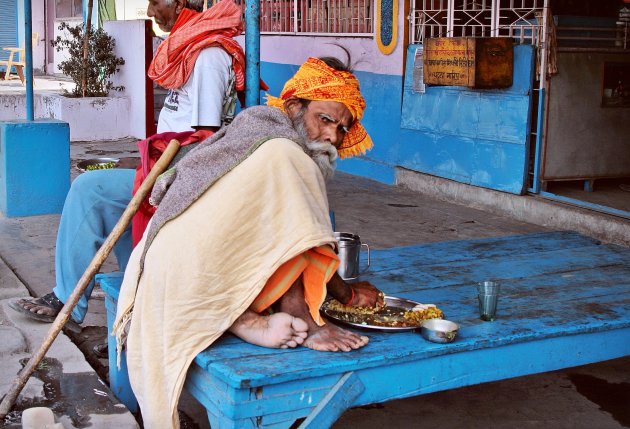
x=464 y=369
x=383 y=350
x=448 y=371
x=461 y=250
x=519 y=321
x=565 y=301
x=338 y=400
x=413 y=277
x=443 y=252
x=299 y=396
x=213 y=393
x=535 y=274
x=542 y=293
x=536 y=297
x=442 y=372
x=565 y=319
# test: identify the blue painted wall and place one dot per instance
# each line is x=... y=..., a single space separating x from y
x=478 y=137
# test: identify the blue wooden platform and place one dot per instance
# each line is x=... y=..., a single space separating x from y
x=565 y=302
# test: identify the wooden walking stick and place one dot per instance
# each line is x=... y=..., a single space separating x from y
x=18 y=384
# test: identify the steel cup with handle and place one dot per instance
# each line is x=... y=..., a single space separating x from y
x=350 y=254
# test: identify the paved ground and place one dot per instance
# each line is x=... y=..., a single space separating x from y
x=594 y=396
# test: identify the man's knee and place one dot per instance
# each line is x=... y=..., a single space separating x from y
x=109 y=184
x=90 y=180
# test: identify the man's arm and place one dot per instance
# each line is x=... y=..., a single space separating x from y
x=360 y=294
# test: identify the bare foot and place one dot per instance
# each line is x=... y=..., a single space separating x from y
x=278 y=331
x=329 y=338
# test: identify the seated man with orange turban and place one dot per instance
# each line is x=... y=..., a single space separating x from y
x=242 y=227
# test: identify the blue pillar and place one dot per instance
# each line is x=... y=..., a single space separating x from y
x=28 y=48
x=34 y=167
x=252 y=53
x=536 y=185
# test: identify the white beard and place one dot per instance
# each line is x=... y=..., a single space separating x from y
x=323 y=154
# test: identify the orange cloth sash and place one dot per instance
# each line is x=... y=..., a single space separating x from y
x=175 y=58
x=317 y=81
x=316 y=266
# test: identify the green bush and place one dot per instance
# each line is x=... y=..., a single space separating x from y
x=101 y=61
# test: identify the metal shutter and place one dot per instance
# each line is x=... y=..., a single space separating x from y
x=8 y=26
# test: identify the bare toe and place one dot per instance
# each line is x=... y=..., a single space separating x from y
x=299 y=325
x=333 y=339
x=280 y=330
x=44 y=309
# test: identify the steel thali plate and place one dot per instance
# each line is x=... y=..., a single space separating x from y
x=390 y=301
x=82 y=165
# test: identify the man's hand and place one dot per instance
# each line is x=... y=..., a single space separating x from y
x=366 y=295
x=360 y=294
x=129 y=162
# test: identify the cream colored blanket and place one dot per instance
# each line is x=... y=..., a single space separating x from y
x=205 y=267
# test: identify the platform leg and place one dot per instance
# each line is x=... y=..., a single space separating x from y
x=332 y=406
x=588 y=185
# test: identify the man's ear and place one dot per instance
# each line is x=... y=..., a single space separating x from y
x=179 y=6
x=292 y=106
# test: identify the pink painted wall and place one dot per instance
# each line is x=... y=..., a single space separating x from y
x=365 y=53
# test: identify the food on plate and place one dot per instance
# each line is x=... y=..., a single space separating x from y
x=100 y=166
x=334 y=305
x=424 y=312
x=387 y=316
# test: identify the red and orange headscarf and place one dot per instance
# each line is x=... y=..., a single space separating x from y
x=193 y=31
x=315 y=80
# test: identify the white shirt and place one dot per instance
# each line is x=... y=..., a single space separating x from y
x=199 y=102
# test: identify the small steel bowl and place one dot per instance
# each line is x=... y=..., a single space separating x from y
x=439 y=330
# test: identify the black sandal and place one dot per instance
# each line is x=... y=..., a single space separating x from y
x=101 y=350
x=49 y=301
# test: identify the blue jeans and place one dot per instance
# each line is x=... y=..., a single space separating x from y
x=93 y=206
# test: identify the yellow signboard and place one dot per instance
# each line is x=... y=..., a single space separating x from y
x=449 y=61
x=478 y=62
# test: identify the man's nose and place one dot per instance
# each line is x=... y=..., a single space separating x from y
x=331 y=135
x=150 y=12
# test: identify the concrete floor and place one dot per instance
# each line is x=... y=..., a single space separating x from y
x=593 y=396
x=606 y=192
x=587 y=397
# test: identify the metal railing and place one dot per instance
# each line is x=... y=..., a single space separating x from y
x=520 y=19
x=317 y=17
x=594 y=38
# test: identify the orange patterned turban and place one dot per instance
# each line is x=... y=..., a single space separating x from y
x=317 y=81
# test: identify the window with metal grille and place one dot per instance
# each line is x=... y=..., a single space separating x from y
x=520 y=19
x=321 y=17
x=68 y=8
